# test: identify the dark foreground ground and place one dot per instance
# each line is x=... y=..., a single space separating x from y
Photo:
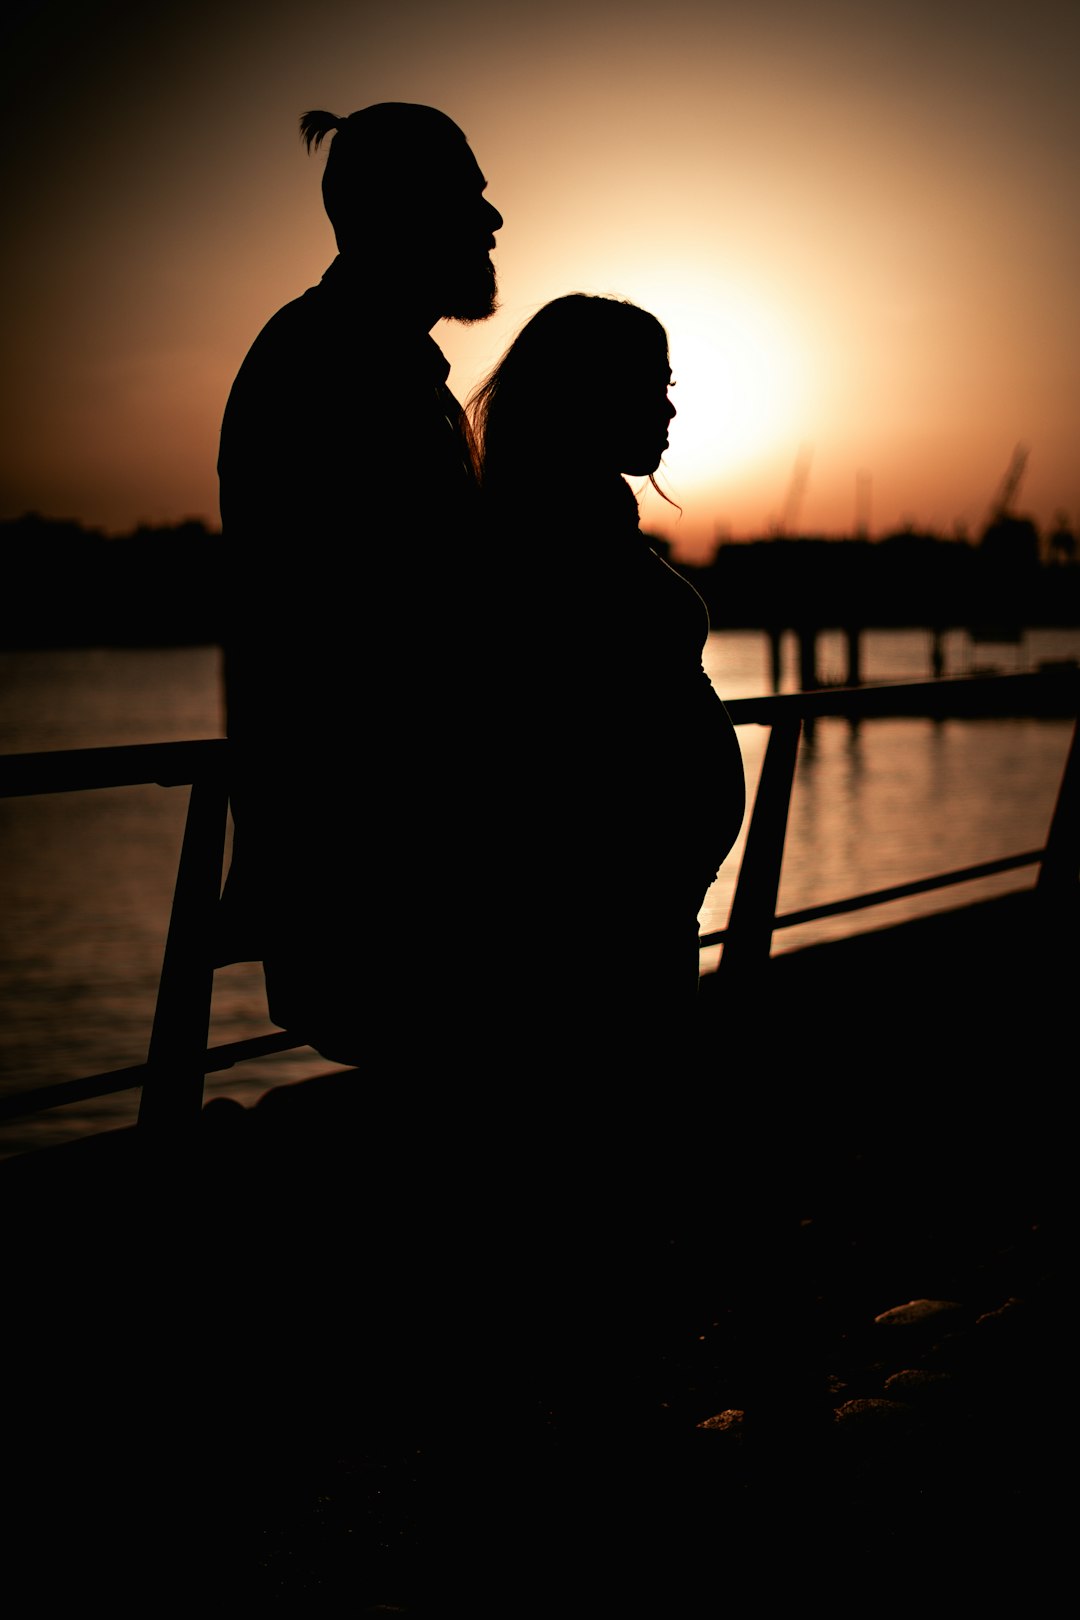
x=793 y=1331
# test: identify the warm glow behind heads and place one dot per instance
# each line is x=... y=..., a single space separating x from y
x=739 y=373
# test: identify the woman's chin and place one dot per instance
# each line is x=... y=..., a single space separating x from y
x=642 y=469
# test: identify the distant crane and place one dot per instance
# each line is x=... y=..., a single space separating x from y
x=1010 y=547
x=1000 y=506
x=789 y=520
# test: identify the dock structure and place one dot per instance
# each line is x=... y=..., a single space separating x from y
x=808 y=635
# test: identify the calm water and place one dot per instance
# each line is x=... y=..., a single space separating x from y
x=86 y=879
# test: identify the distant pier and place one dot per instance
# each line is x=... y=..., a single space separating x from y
x=807 y=638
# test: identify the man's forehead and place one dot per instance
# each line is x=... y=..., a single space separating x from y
x=449 y=163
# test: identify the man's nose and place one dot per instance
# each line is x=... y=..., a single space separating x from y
x=494 y=218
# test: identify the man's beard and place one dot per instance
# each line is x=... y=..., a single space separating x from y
x=472 y=294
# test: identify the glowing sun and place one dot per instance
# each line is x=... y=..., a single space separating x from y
x=739 y=375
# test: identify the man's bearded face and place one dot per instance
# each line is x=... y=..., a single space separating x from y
x=470 y=291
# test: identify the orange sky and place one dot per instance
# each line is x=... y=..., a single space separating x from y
x=858 y=224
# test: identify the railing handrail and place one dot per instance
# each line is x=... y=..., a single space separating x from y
x=178 y=764
x=179 y=1058
x=73 y=770
x=949 y=694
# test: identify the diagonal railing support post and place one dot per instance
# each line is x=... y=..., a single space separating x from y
x=748 y=939
x=1060 y=865
x=173 y=1089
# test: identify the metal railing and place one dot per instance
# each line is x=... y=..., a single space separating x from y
x=747 y=939
x=179 y=1058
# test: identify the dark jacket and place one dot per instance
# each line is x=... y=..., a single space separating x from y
x=347 y=506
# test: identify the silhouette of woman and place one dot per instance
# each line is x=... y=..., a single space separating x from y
x=625 y=786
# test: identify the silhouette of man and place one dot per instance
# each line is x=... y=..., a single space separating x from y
x=352 y=662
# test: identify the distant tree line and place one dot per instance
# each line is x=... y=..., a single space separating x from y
x=65 y=585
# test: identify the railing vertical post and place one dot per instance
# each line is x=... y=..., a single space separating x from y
x=748 y=938
x=1060 y=866
x=176 y=1061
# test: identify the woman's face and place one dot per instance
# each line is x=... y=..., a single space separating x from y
x=633 y=423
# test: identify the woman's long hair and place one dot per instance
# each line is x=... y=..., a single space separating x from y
x=517 y=414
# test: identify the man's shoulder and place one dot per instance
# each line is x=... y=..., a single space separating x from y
x=319 y=329
x=300 y=353
x=295 y=323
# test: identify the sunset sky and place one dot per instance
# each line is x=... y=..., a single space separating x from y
x=859 y=224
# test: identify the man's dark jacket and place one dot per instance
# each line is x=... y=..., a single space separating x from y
x=352 y=663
